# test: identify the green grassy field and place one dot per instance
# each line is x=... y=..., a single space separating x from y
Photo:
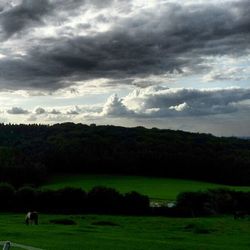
x=128 y=233
x=155 y=188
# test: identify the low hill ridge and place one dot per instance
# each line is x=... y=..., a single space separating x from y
x=29 y=153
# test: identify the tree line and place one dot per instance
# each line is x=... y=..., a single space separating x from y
x=213 y=202
x=72 y=200
x=31 y=153
x=103 y=200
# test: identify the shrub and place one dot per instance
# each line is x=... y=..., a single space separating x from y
x=7 y=193
x=104 y=200
x=46 y=201
x=136 y=203
x=70 y=200
x=26 y=198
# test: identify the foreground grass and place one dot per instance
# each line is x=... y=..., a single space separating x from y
x=98 y=232
x=155 y=188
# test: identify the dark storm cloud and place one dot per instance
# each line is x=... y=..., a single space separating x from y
x=30 y=13
x=170 y=39
x=19 y=17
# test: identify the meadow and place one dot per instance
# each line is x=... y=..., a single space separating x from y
x=155 y=188
x=99 y=232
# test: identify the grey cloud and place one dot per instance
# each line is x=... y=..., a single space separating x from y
x=17 y=111
x=32 y=118
x=102 y=4
x=162 y=102
x=64 y=9
x=149 y=43
x=227 y=74
x=69 y=5
x=40 y=111
x=75 y=111
x=55 y=112
x=30 y=73
x=158 y=102
x=27 y=13
x=72 y=112
x=84 y=26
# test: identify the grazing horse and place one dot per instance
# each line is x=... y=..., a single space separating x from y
x=31 y=218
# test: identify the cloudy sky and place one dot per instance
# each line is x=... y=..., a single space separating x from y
x=156 y=63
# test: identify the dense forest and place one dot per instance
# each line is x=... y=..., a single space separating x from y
x=31 y=153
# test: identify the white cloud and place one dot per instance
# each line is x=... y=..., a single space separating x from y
x=180 y=107
x=185 y=102
x=75 y=111
x=153 y=102
x=115 y=107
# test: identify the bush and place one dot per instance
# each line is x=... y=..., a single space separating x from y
x=26 y=198
x=194 y=203
x=47 y=201
x=7 y=193
x=136 y=203
x=70 y=200
x=216 y=201
x=104 y=200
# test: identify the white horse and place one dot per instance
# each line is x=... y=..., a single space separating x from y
x=31 y=218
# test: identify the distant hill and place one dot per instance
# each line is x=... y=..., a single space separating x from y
x=29 y=153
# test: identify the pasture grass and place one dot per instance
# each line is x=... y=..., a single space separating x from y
x=155 y=188
x=101 y=232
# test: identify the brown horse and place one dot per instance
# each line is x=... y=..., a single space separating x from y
x=31 y=218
